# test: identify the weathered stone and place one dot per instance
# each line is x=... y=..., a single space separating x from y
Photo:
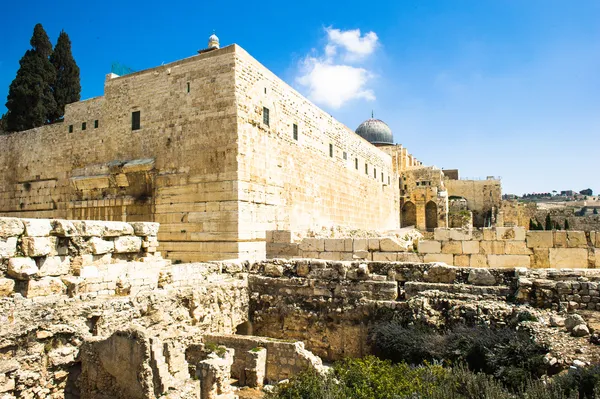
x=374 y=244
x=557 y=321
x=452 y=247
x=573 y=320
x=10 y=227
x=7 y=287
x=37 y=227
x=100 y=246
x=334 y=245
x=481 y=277
x=273 y=270
x=516 y=248
x=440 y=274
x=444 y=258
x=128 y=244
x=302 y=269
x=540 y=239
x=429 y=247
x=460 y=234
x=510 y=233
x=470 y=247
x=54 y=265
x=389 y=244
x=509 y=260
x=8 y=247
x=38 y=246
x=478 y=260
x=576 y=239
x=312 y=245
x=22 y=268
x=64 y=228
x=492 y=247
x=461 y=260
x=44 y=287
x=580 y=330
x=568 y=257
x=145 y=229
x=360 y=244
x=115 y=229
x=560 y=239
x=385 y=256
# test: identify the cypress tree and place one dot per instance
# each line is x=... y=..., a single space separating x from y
x=548 y=222
x=66 y=87
x=566 y=224
x=30 y=101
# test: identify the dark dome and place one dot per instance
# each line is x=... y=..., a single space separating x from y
x=375 y=131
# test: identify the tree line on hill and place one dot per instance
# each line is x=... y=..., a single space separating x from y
x=46 y=81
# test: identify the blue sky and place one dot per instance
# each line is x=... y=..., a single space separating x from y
x=505 y=88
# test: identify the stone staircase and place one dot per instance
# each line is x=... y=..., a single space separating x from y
x=163 y=380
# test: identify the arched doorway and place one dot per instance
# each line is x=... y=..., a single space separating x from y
x=409 y=214
x=431 y=217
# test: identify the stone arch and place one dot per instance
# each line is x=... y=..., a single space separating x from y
x=431 y=215
x=409 y=214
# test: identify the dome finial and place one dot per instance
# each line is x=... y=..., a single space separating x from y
x=213 y=41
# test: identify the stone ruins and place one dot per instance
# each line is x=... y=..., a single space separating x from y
x=204 y=231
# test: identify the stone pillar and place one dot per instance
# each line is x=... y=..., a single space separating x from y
x=214 y=374
x=256 y=368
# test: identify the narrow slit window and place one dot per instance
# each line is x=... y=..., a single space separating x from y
x=345 y=155
x=70 y=128
x=188 y=87
x=266 y=116
x=331 y=150
x=389 y=182
x=295 y=132
x=366 y=169
x=382 y=177
x=83 y=126
x=135 y=120
x=374 y=173
x=96 y=124
x=356 y=163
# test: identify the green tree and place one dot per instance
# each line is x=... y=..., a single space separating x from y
x=566 y=224
x=548 y=222
x=30 y=101
x=66 y=87
x=595 y=211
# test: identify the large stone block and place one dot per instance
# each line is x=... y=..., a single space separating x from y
x=460 y=234
x=576 y=239
x=597 y=243
x=516 y=248
x=385 y=256
x=115 y=229
x=44 y=287
x=360 y=244
x=388 y=244
x=334 y=244
x=441 y=234
x=409 y=257
x=64 y=228
x=492 y=247
x=560 y=239
x=312 y=245
x=100 y=246
x=489 y=234
x=374 y=244
x=11 y=227
x=540 y=239
x=477 y=260
x=510 y=233
x=444 y=258
x=128 y=244
x=54 y=266
x=429 y=247
x=568 y=258
x=146 y=229
x=22 y=268
x=541 y=258
x=470 y=247
x=7 y=287
x=461 y=260
x=8 y=247
x=37 y=227
x=481 y=277
x=440 y=274
x=509 y=260
x=452 y=247
x=38 y=246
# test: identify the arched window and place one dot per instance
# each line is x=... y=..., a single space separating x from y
x=409 y=214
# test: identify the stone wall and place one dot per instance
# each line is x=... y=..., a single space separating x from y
x=488 y=247
x=483 y=196
x=284 y=359
x=327 y=176
x=331 y=305
x=41 y=257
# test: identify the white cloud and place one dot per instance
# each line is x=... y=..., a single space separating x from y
x=329 y=78
x=356 y=46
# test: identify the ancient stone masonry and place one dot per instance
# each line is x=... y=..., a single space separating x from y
x=488 y=247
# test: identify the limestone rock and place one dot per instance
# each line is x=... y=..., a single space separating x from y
x=22 y=268
x=100 y=246
x=580 y=330
x=115 y=229
x=37 y=227
x=440 y=274
x=273 y=270
x=39 y=246
x=481 y=277
x=64 y=228
x=557 y=321
x=44 y=287
x=573 y=320
x=389 y=244
x=8 y=247
x=54 y=265
x=145 y=229
x=7 y=286
x=302 y=269
x=10 y=227
x=128 y=244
